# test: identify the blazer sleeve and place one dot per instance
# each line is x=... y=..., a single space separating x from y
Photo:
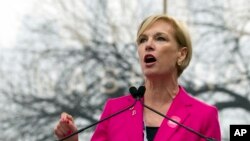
x=212 y=126
x=101 y=131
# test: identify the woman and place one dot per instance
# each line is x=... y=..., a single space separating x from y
x=165 y=50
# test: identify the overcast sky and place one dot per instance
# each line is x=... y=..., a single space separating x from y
x=11 y=13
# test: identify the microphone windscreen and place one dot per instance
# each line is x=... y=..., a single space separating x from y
x=141 y=91
x=133 y=91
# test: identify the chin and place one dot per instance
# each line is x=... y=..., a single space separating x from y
x=150 y=74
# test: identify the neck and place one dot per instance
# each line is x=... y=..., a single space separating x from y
x=161 y=91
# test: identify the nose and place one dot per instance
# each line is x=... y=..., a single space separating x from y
x=149 y=46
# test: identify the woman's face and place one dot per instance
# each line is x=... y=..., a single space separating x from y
x=158 y=50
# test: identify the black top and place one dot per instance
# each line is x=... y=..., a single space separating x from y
x=151 y=132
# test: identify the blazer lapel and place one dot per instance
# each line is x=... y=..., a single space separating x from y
x=178 y=111
x=135 y=122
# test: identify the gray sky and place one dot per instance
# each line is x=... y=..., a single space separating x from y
x=11 y=13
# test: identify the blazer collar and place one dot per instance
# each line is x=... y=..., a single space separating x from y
x=178 y=111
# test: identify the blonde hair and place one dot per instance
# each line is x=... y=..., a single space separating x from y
x=181 y=36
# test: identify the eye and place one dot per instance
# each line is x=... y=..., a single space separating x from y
x=160 y=38
x=141 y=40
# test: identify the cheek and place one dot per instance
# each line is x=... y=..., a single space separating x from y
x=170 y=57
x=140 y=54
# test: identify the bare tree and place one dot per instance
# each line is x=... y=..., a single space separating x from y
x=75 y=55
x=220 y=43
x=220 y=70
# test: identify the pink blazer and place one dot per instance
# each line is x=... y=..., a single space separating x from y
x=128 y=126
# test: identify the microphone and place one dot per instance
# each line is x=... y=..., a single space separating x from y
x=140 y=93
x=137 y=94
x=133 y=92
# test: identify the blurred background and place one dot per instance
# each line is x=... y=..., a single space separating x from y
x=71 y=55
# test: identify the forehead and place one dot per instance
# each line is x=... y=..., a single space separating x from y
x=158 y=26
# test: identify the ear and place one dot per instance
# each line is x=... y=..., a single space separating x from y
x=182 y=53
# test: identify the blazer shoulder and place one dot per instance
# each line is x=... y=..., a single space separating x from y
x=196 y=103
x=201 y=105
x=119 y=102
x=124 y=98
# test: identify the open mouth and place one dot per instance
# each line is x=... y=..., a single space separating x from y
x=149 y=59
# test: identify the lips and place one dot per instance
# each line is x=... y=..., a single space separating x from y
x=149 y=58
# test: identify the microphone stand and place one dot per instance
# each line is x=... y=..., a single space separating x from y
x=186 y=127
x=106 y=118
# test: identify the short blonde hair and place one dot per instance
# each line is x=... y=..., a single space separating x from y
x=181 y=36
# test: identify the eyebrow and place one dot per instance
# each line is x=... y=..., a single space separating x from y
x=156 y=34
x=160 y=33
x=142 y=35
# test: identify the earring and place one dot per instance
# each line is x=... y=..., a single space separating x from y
x=179 y=63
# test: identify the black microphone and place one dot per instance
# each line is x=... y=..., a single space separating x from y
x=141 y=91
x=133 y=92
x=140 y=94
x=137 y=94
